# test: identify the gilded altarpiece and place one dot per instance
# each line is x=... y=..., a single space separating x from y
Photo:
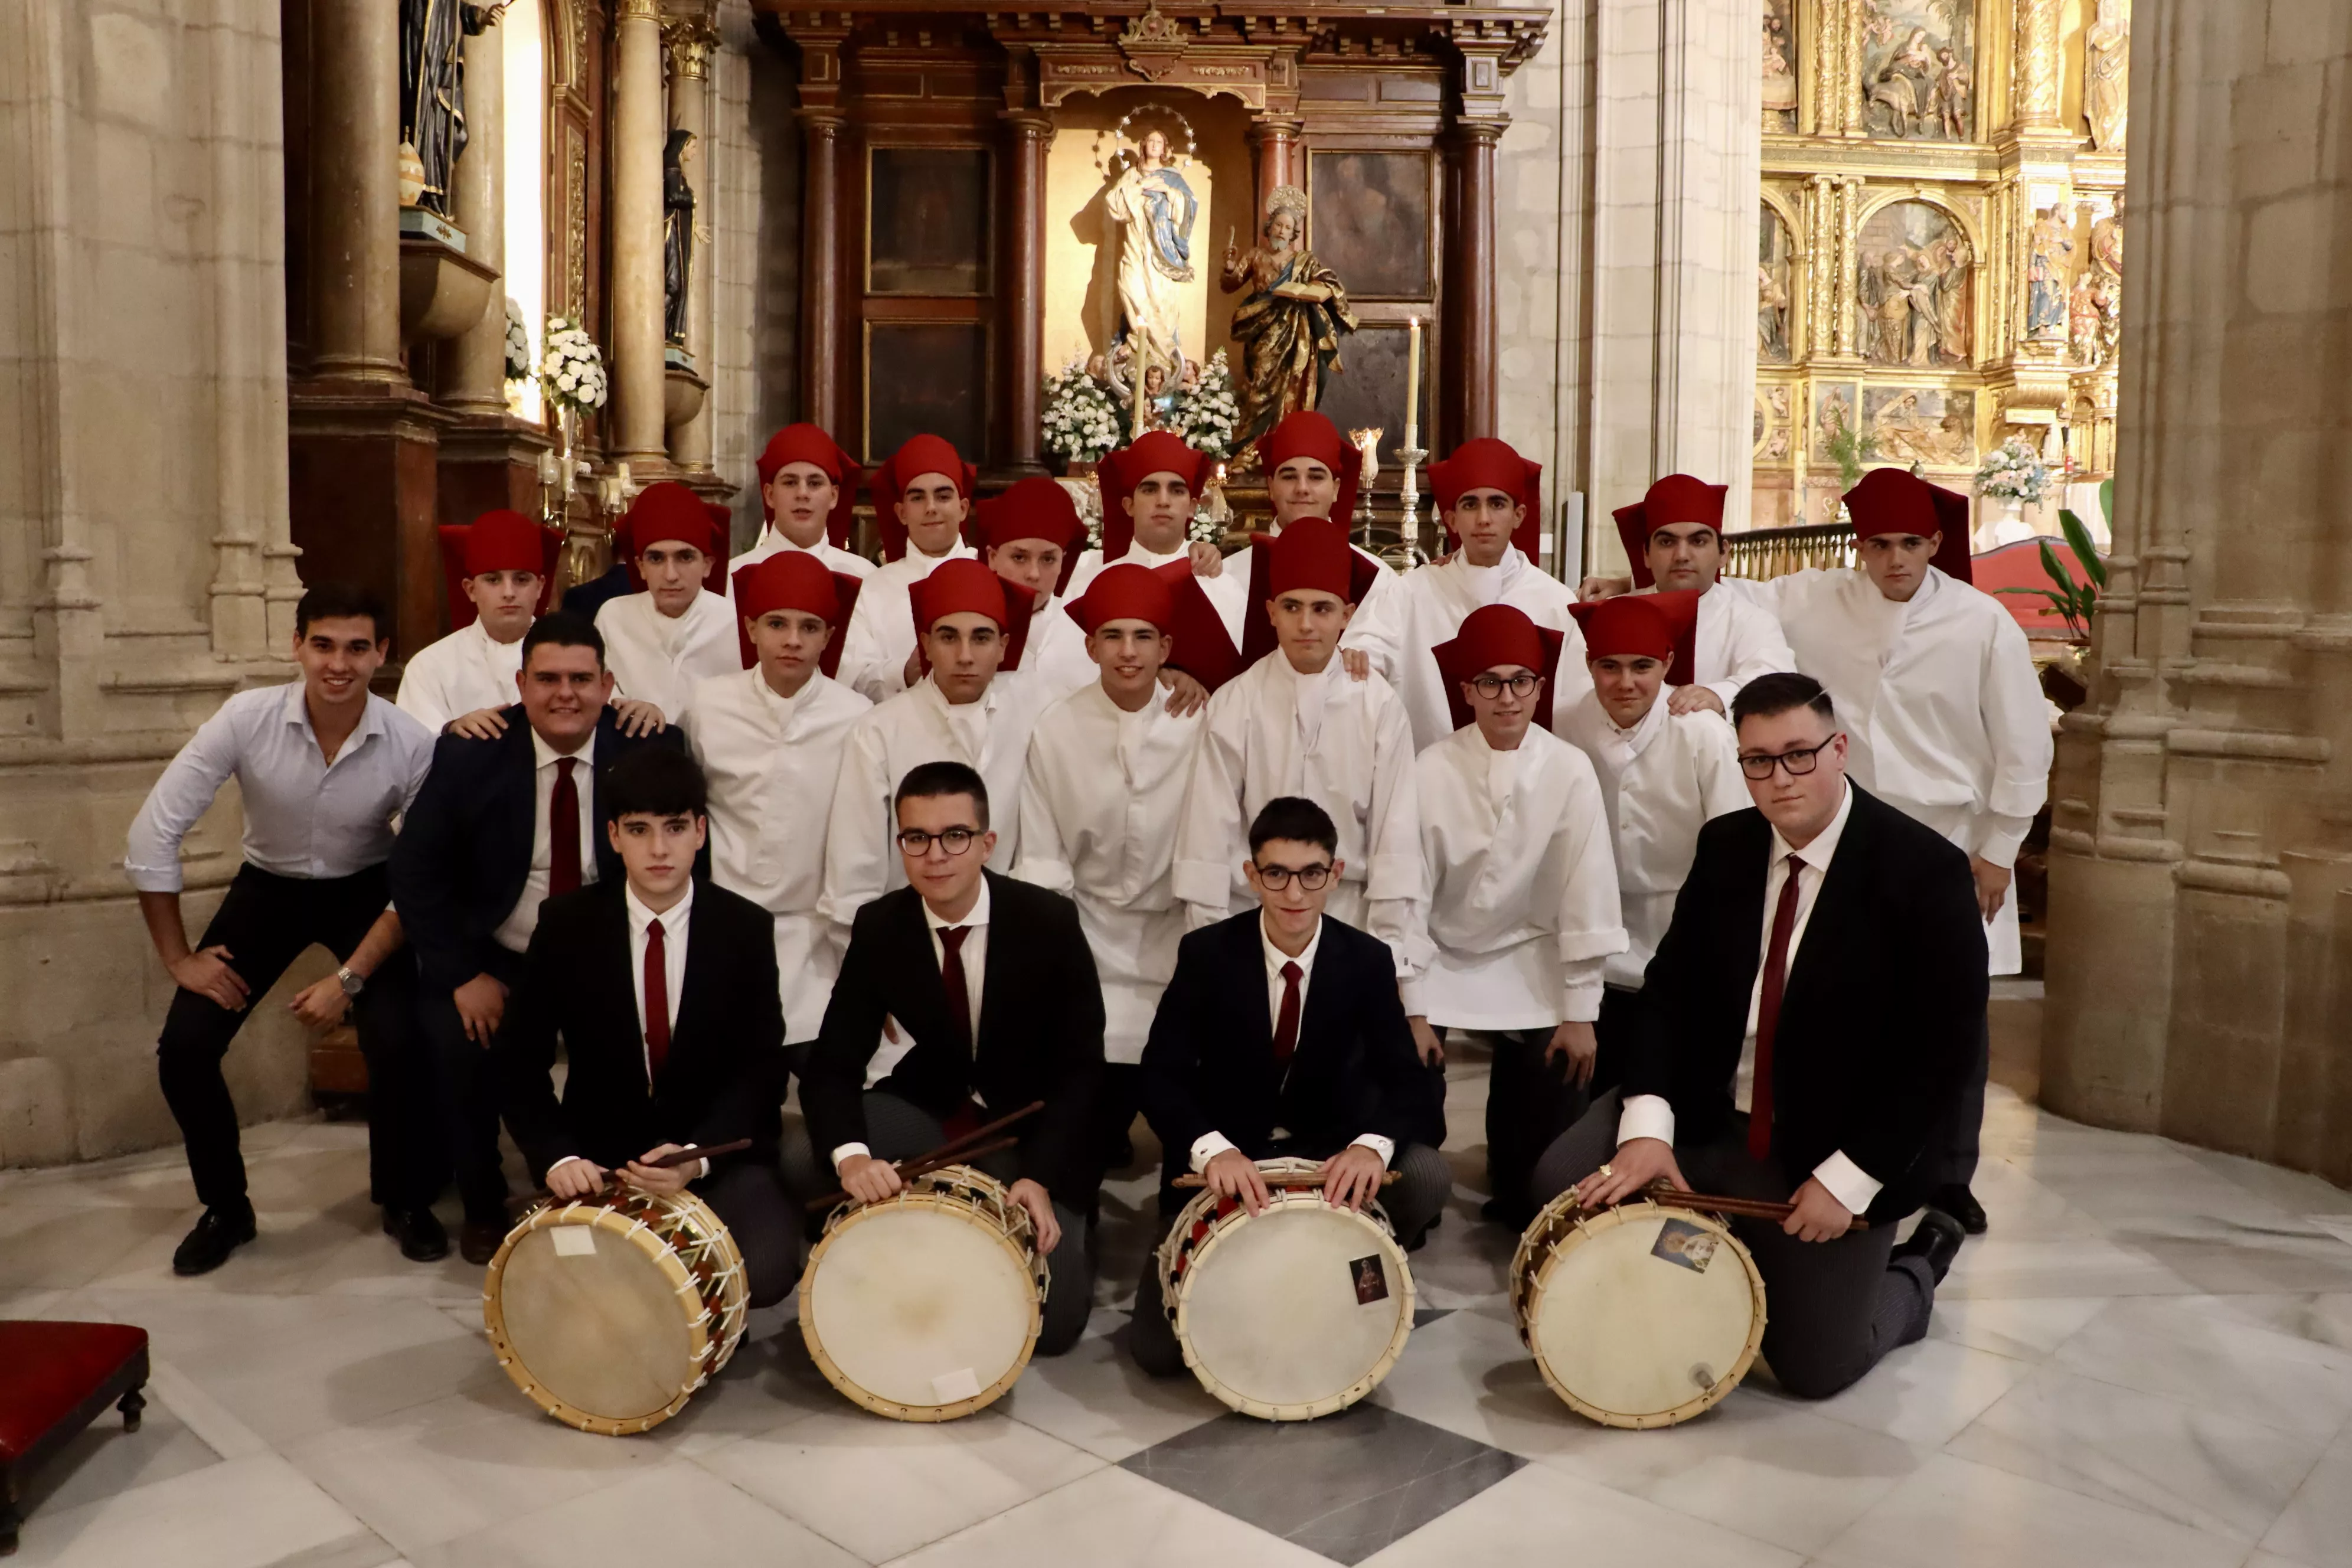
x=1939 y=248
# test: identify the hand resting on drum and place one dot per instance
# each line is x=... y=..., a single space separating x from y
x=642 y=1172
x=869 y=1179
x=573 y=1179
x=1637 y=1162
x=1353 y=1177
x=1233 y=1175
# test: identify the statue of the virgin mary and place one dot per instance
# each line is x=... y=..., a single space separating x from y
x=1154 y=207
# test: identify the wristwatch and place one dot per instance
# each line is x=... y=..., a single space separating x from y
x=352 y=984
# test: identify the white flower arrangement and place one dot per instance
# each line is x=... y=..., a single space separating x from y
x=572 y=371
x=2013 y=471
x=1205 y=417
x=1081 y=421
x=518 y=343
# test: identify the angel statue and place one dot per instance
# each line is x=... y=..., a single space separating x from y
x=1289 y=323
x=1154 y=207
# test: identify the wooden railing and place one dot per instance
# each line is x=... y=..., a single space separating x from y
x=1766 y=552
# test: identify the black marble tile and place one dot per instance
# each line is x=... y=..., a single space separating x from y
x=1344 y=1487
x=1424 y=1315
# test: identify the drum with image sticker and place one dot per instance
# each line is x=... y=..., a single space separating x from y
x=1296 y=1313
x=1641 y=1315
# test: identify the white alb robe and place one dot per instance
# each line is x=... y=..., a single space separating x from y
x=880 y=636
x=661 y=658
x=1099 y=803
x=772 y=762
x=1737 y=640
x=458 y=675
x=1397 y=628
x=1661 y=781
x=1940 y=699
x=772 y=542
x=1345 y=745
x=1522 y=908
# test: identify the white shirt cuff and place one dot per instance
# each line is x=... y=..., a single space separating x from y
x=1207 y=1147
x=1998 y=838
x=1385 y=1147
x=844 y=1152
x=1846 y=1182
x=1646 y=1116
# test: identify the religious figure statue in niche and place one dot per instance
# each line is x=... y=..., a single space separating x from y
x=2051 y=258
x=433 y=88
x=1779 y=68
x=2106 y=71
x=677 y=234
x=1912 y=287
x=1155 y=207
x=1772 y=272
x=1290 y=320
x=1917 y=77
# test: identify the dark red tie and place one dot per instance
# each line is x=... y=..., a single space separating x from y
x=951 y=976
x=1286 y=1025
x=563 y=830
x=1767 y=1013
x=656 y=1001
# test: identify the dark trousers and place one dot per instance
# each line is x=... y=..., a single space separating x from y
x=1116 y=1101
x=747 y=1196
x=1834 y=1308
x=266 y=921
x=1529 y=1100
x=898 y=1129
x=1424 y=1181
x=465 y=1095
x=1960 y=1143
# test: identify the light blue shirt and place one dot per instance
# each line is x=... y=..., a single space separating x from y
x=304 y=816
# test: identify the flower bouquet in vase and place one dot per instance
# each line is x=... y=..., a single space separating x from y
x=2011 y=477
x=1081 y=421
x=572 y=378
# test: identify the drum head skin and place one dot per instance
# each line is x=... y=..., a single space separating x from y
x=1297 y=1314
x=1643 y=1315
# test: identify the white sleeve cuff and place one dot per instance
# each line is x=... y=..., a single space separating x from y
x=1646 y=1116
x=1998 y=837
x=845 y=1152
x=1846 y=1182
x=1207 y=1147
x=1385 y=1147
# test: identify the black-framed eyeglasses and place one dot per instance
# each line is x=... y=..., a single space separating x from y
x=1490 y=685
x=1799 y=763
x=1279 y=876
x=954 y=841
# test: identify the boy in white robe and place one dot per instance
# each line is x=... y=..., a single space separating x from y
x=808 y=493
x=1309 y=471
x=1149 y=489
x=1294 y=723
x=1029 y=535
x=770 y=739
x=1673 y=537
x=499 y=568
x=1490 y=500
x=1522 y=908
x=680 y=629
x=922 y=499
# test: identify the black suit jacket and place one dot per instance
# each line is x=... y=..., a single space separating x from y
x=1880 y=1015
x=464 y=850
x=723 y=1076
x=1209 y=1066
x=1039 y=1035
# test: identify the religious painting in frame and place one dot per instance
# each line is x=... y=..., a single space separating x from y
x=1931 y=425
x=927 y=221
x=926 y=377
x=1833 y=414
x=1368 y=220
x=1368 y=391
x=1918 y=69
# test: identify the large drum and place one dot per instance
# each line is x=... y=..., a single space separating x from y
x=610 y=1311
x=925 y=1307
x=1293 y=1313
x=1639 y=1315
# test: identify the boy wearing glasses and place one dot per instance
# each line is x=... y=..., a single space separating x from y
x=1281 y=1035
x=1523 y=892
x=990 y=994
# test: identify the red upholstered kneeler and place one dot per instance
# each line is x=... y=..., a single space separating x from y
x=54 y=1380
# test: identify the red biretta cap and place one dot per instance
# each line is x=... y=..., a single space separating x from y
x=964 y=586
x=669 y=510
x=1487 y=464
x=1125 y=592
x=1119 y=473
x=921 y=455
x=1307 y=434
x=1895 y=500
x=1312 y=553
x=1498 y=636
x=807 y=443
x=1677 y=497
x=1650 y=626
x=499 y=540
x=796 y=580
x=1035 y=508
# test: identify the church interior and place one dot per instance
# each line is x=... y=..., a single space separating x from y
x=296 y=291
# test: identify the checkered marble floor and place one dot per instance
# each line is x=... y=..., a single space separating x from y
x=2148 y=1360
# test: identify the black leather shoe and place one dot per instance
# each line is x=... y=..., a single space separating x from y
x=219 y=1233
x=1936 y=1241
x=1961 y=1205
x=421 y=1237
x=480 y=1240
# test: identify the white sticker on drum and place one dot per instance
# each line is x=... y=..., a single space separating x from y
x=573 y=1240
x=951 y=1386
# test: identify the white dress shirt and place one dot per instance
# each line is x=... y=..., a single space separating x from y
x=772 y=763
x=673 y=920
x=514 y=931
x=1397 y=628
x=772 y=542
x=1345 y=745
x=1737 y=639
x=1661 y=781
x=304 y=816
x=461 y=673
x=973 y=953
x=880 y=636
x=1209 y=1145
x=659 y=658
x=1523 y=892
x=1100 y=800
x=1653 y=1116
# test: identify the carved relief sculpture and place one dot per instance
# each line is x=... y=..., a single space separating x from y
x=1291 y=318
x=1912 y=294
x=433 y=89
x=1779 y=68
x=677 y=234
x=2106 y=71
x=1772 y=280
x=2052 y=257
x=1154 y=207
x=1918 y=68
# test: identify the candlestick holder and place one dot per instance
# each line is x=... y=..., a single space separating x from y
x=1409 y=497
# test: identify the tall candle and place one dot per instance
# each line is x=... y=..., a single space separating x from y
x=1412 y=381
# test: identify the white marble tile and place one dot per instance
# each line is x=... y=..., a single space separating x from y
x=1925 y=1393
x=105 y=1461
x=52 y=1247
x=2022 y=1327
x=2322 y=1319
x=2213 y=1472
x=1998 y=1265
x=1112 y=1519
x=1095 y=1398
x=2217 y=1364
x=261 y=1510
x=2316 y=1525
x=1468 y=1373
x=667 y=1517
x=1539 y=1516
x=835 y=1471
x=1954 y=1514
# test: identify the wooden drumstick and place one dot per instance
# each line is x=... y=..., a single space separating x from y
x=955 y=1153
x=1285 y=1179
x=688 y=1156
x=1745 y=1208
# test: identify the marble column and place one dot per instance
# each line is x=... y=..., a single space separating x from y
x=355 y=192
x=1279 y=157
x=635 y=431
x=690 y=45
x=474 y=364
x=1029 y=134
x=821 y=276
x=1473 y=303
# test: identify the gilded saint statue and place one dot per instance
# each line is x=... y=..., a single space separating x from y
x=433 y=89
x=2106 y=70
x=1291 y=318
x=677 y=234
x=1154 y=207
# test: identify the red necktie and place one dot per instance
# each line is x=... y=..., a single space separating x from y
x=951 y=976
x=1767 y=1013
x=656 y=1001
x=563 y=830
x=1286 y=1026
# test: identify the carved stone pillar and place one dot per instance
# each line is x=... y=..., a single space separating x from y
x=1029 y=135
x=474 y=371
x=1473 y=278
x=690 y=47
x=821 y=324
x=634 y=151
x=355 y=192
x=1276 y=141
